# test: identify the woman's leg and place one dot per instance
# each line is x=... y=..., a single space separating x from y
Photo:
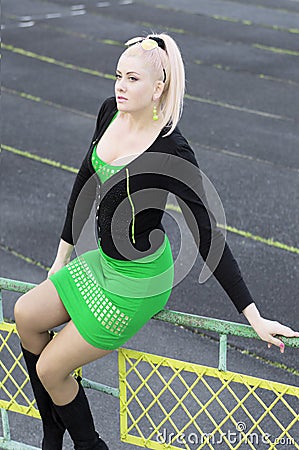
x=67 y=351
x=35 y=312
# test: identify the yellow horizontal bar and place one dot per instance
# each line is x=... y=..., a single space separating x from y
x=147 y=443
x=15 y=407
x=213 y=372
x=5 y=326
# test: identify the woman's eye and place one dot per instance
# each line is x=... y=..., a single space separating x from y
x=118 y=76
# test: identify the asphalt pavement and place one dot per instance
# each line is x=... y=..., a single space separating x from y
x=240 y=117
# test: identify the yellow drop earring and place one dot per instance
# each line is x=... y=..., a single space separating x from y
x=155 y=115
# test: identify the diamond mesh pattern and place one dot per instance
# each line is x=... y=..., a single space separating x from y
x=15 y=388
x=16 y=392
x=171 y=404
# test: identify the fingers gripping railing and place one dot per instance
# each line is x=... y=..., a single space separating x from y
x=126 y=394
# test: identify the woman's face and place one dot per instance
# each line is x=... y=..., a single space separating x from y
x=135 y=83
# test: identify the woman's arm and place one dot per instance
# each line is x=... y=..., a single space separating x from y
x=62 y=257
x=187 y=185
x=203 y=226
x=64 y=251
x=80 y=203
x=85 y=187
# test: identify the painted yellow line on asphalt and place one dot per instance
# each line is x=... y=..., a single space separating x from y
x=242 y=155
x=48 y=59
x=216 y=66
x=37 y=99
x=164 y=27
x=65 y=65
x=29 y=155
x=258 y=75
x=247 y=234
x=257 y=24
x=93 y=117
x=27 y=259
x=169 y=206
x=267 y=241
x=222 y=18
x=237 y=108
x=279 y=50
x=79 y=35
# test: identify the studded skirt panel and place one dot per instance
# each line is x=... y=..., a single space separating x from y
x=109 y=300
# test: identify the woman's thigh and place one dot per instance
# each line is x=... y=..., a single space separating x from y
x=66 y=352
x=40 y=309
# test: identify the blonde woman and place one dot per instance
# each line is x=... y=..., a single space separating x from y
x=136 y=157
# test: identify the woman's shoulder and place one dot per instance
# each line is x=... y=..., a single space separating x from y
x=106 y=111
x=177 y=144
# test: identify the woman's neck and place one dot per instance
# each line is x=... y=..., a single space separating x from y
x=140 y=121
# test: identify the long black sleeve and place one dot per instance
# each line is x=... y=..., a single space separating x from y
x=80 y=204
x=191 y=197
x=78 y=210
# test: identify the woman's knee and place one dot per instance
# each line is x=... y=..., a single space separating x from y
x=21 y=312
x=48 y=373
x=40 y=308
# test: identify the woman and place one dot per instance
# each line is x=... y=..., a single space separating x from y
x=106 y=295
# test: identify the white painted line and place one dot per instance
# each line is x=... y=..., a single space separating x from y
x=76 y=7
x=102 y=4
x=26 y=24
x=53 y=15
x=125 y=2
x=78 y=13
x=2 y=27
x=26 y=18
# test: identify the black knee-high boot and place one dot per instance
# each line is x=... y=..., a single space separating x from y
x=53 y=428
x=78 y=420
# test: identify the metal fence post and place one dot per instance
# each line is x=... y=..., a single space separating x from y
x=222 y=352
x=5 y=425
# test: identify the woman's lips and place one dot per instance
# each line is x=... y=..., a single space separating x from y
x=121 y=98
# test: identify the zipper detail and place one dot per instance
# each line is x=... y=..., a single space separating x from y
x=132 y=206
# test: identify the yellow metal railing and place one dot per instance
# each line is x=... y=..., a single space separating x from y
x=171 y=404
x=17 y=399
x=15 y=395
x=167 y=403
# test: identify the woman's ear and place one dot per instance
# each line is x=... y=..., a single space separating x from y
x=159 y=87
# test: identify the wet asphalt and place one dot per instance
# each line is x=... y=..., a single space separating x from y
x=240 y=117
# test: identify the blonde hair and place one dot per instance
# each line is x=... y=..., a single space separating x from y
x=171 y=100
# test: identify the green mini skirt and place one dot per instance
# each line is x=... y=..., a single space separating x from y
x=109 y=300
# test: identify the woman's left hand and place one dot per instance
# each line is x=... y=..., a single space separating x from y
x=268 y=329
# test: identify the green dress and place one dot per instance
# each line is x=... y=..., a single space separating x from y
x=109 y=300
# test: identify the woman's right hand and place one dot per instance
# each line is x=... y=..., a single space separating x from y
x=63 y=257
x=57 y=265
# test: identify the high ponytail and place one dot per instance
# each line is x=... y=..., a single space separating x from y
x=171 y=100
